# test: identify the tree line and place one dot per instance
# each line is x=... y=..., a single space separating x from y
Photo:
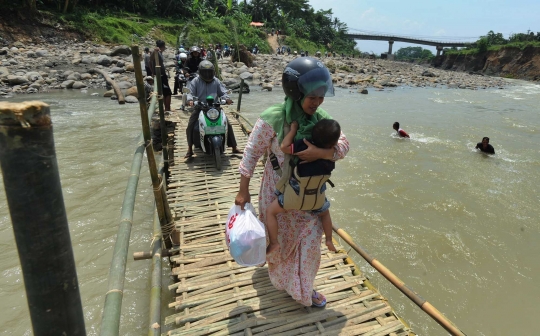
x=295 y=18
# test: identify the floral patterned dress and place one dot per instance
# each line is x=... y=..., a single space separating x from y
x=294 y=266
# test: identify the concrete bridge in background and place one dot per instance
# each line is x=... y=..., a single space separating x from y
x=395 y=38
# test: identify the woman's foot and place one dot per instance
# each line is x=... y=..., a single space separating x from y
x=235 y=150
x=330 y=245
x=271 y=248
x=188 y=155
x=317 y=299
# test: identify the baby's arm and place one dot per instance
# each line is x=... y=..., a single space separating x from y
x=289 y=139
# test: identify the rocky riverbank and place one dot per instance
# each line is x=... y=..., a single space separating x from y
x=30 y=68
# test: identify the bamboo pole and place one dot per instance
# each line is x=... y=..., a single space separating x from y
x=240 y=95
x=411 y=294
x=165 y=217
x=162 y=124
x=116 y=88
x=155 y=291
x=36 y=205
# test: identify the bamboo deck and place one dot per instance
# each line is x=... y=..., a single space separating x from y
x=216 y=296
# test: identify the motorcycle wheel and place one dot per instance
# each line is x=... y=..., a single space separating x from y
x=217 y=158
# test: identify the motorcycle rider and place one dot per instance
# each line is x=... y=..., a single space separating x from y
x=180 y=64
x=194 y=59
x=206 y=84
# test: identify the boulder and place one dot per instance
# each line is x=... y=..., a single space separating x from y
x=120 y=63
x=42 y=53
x=68 y=84
x=3 y=51
x=86 y=60
x=109 y=93
x=124 y=85
x=74 y=76
x=131 y=99
x=246 y=75
x=16 y=80
x=267 y=87
x=4 y=71
x=117 y=70
x=104 y=60
x=78 y=85
x=33 y=76
x=121 y=50
x=363 y=91
x=31 y=54
x=18 y=44
x=132 y=91
x=130 y=67
x=428 y=73
x=86 y=76
x=32 y=90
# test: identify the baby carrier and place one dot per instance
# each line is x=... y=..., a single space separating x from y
x=309 y=196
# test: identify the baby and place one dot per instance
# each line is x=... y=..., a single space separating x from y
x=325 y=134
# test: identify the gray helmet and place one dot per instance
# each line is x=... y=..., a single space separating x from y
x=206 y=71
x=304 y=76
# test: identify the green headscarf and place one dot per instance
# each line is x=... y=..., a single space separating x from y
x=290 y=111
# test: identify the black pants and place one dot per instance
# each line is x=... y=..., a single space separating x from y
x=178 y=85
x=231 y=140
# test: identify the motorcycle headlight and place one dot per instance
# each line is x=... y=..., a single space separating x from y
x=213 y=114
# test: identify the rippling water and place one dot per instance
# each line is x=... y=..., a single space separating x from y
x=459 y=227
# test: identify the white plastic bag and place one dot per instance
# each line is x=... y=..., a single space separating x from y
x=245 y=235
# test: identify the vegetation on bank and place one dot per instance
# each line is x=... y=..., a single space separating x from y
x=496 y=41
x=211 y=21
x=413 y=54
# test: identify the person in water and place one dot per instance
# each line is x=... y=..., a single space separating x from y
x=325 y=134
x=399 y=131
x=485 y=147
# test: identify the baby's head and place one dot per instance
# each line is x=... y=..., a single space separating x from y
x=325 y=133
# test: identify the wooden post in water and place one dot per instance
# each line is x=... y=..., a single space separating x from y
x=165 y=217
x=240 y=95
x=36 y=205
x=162 y=123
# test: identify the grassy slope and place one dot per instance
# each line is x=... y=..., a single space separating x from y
x=474 y=51
x=126 y=28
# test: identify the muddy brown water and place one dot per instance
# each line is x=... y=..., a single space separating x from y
x=459 y=227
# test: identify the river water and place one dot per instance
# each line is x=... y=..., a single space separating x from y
x=459 y=227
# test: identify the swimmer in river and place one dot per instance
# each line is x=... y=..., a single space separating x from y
x=485 y=147
x=400 y=132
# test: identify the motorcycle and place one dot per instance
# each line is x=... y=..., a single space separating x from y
x=188 y=77
x=210 y=132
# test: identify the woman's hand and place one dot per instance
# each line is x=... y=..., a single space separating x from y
x=313 y=153
x=242 y=198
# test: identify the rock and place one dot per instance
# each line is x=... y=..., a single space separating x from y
x=132 y=91
x=32 y=90
x=42 y=53
x=16 y=80
x=124 y=85
x=428 y=73
x=95 y=94
x=109 y=93
x=267 y=87
x=18 y=44
x=131 y=99
x=104 y=60
x=363 y=91
x=85 y=76
x=246 y=75
x=229 y=81
x=31 y=54
x=74 y=76
x=3 y=51
x=68 y=84
x=120 y=63
x=390 y=84
x=13 y=62
x=239 y=64
x=4 y=71
x=121 y=50
x=78 y=85
x=33 y=76
x=86 y=60
x=113 y=97
x=117 y=70
x=130 y=67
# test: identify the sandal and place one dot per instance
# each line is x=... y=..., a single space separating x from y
x=188 y=155
x=320 y=297
x=237 y=151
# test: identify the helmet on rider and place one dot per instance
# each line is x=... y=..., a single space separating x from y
x=206 y=71
x=194 y=49
x=182 y=50
x=306 y=76
x=183 y=56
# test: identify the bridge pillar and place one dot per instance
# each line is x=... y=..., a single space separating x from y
x=390 y=43
x=439 y=49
